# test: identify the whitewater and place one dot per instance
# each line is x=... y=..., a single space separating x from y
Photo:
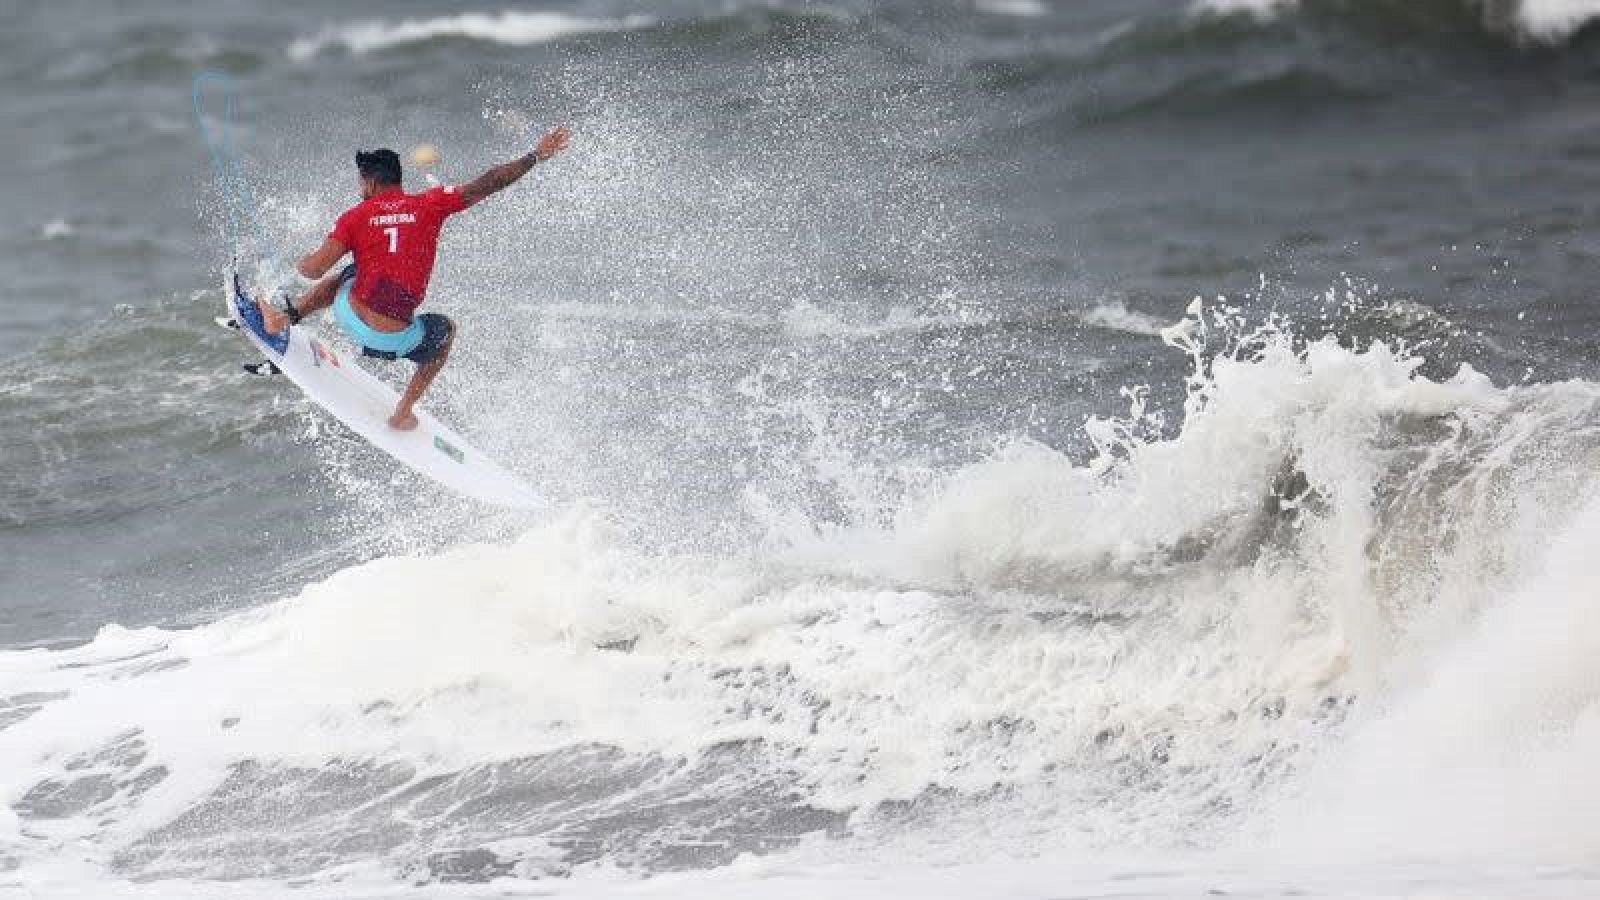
x=1342 y=614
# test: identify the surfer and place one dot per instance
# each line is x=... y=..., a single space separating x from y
x=394 y=236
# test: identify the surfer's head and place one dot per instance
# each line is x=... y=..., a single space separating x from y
x=379 y=169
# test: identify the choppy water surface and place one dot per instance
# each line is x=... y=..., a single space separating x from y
x=1128 y=446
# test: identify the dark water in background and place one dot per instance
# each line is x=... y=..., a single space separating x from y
x=754 y=189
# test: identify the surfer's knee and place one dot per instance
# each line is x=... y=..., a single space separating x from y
x=438 y=333
x=449 y=339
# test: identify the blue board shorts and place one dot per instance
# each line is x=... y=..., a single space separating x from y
x=420 y=342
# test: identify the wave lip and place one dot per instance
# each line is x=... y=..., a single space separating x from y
x=517 y=29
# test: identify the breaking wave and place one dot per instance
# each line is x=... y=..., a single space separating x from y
x=1153 y=648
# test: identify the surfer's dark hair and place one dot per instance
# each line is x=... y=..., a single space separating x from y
x=381 y=165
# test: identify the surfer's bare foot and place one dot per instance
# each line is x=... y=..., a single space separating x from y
x=403 y=420
x=272 y=318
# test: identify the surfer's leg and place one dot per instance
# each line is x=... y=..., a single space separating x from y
x=430 y=355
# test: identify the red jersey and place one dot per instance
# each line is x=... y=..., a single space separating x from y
x=394 y=236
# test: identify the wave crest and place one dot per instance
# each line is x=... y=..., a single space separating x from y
x=1545 y=21
x=508 y=27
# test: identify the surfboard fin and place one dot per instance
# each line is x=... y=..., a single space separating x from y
x=263 y=369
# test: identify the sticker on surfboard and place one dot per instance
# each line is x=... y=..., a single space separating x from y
x=361 y=401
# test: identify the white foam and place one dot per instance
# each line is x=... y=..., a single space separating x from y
x=801 y=319
x=1022 y=8
x=1260 y=8
x=1116 y=316
x=1490 y=749
x=809 y=320
x=1542 y=20
x=508 y=27
x=1023 y=509
x=1556 y=19
x=56 y=229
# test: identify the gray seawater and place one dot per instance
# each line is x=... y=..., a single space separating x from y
x=808 y=258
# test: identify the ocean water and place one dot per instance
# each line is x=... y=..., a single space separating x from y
x=1017 y=448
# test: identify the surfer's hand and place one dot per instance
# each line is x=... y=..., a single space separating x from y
x=552 y=143
x=273 y=320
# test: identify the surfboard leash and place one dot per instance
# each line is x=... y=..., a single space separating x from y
x=241 y=219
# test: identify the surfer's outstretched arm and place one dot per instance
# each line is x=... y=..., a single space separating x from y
x=506 y=174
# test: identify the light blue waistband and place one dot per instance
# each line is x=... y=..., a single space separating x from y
x=397 y=342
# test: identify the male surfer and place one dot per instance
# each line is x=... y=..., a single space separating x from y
x=394 y=236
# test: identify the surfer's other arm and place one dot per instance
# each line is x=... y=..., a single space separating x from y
x=317 y=263
x=313 y=265
x=506 y=174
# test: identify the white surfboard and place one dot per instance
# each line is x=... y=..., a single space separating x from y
x=356 y=397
